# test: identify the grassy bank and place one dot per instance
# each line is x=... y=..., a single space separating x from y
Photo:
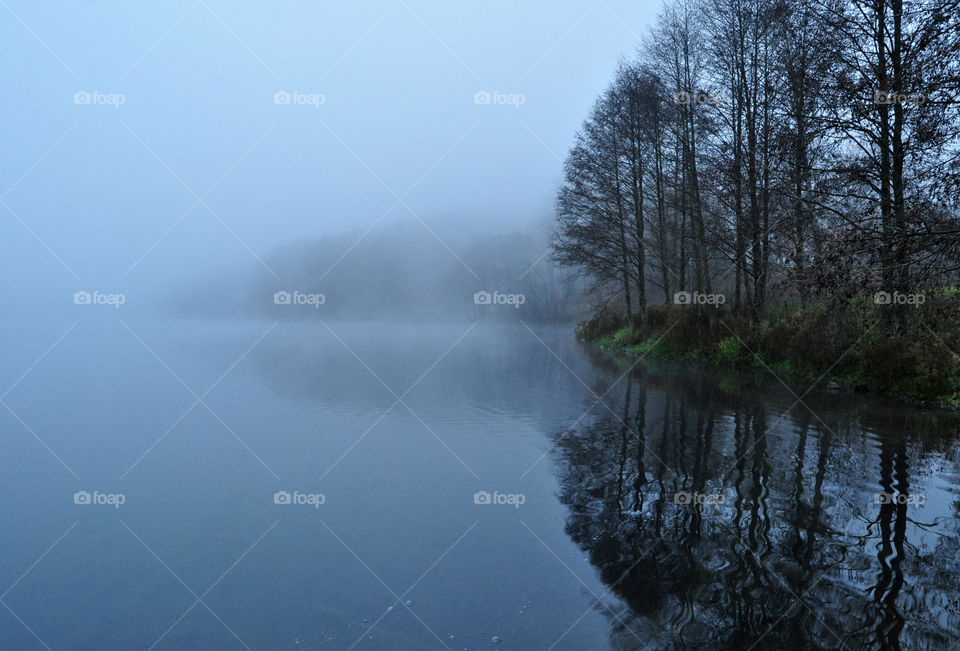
x=905 y=349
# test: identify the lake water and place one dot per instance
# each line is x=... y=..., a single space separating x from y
x=226 y=485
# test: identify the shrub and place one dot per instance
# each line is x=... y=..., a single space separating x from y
x=728 y=352
x=627 y=337
x=650 y=347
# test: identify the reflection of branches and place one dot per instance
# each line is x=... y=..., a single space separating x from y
x=785 y=557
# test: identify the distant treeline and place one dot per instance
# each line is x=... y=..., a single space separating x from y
x=399 y=271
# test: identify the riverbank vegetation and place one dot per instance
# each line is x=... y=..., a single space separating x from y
x=848 y=343
x=776 y=182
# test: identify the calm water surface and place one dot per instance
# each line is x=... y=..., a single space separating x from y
x=400 y=486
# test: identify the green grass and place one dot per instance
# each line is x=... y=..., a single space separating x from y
x=907 y=350
x=651 y=347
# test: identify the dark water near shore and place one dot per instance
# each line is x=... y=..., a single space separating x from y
x=458 y=486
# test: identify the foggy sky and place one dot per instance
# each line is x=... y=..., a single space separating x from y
x=200 y=169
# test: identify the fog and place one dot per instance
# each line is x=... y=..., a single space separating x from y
x=158 y=150
x=418 y=324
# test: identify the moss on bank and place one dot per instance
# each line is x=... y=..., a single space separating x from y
x=907 y=349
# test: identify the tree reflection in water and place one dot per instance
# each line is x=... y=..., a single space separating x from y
x=723 y=515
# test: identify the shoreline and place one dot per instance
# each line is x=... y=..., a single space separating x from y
x=842 y=385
